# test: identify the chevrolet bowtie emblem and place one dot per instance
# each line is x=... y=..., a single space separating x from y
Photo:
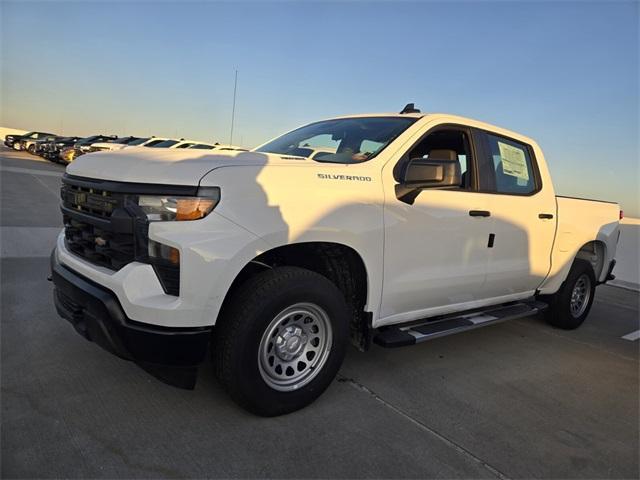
x=100 y=241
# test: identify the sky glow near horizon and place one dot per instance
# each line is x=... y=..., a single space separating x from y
x=564 y=73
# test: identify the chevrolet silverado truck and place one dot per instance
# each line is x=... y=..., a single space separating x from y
x=408 y=227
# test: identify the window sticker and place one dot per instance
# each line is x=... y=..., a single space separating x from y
x=514 y=162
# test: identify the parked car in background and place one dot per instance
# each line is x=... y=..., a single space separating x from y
x=203 y=146
x=69 y=154
x=218 y=146
x=34 y=147
x=149 y=142
x=13 y=141
x=139 y=142
x=174 y=143
x=182 y=143
x=116 y=144
x=51 y=150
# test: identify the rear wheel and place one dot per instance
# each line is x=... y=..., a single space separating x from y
x=281 y=340
x=32 y=149
x=569 y=307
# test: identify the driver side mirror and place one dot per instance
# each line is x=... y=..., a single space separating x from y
x=420 y=173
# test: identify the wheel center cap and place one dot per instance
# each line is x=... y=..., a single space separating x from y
x=290 y=343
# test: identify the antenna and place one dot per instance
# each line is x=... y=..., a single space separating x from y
x=410 y=108
x=233 y=109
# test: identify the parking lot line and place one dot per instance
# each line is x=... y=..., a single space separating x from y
x=632 y=336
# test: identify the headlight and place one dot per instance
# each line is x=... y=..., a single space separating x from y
x=167 y=208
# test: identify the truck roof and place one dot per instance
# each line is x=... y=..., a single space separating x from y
x=449 y=117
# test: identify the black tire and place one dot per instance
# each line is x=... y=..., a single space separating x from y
x=560 y=313
x=243 y=324
x=32 y=149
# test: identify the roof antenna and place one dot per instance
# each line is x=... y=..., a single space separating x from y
x=409 y=108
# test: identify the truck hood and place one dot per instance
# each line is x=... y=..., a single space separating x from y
x=166 y=165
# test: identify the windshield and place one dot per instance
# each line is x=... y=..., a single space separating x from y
x=165 y=144
x=344 y=140
x=139 y=141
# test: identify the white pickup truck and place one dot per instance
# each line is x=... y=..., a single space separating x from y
x=409 y=227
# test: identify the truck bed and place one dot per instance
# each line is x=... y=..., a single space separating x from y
x=583 y=226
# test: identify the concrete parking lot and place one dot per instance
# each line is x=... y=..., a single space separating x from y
x=520 y=399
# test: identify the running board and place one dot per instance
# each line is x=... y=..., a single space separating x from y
x=416 y=332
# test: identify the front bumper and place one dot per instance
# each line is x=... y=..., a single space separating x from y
x=170 y=354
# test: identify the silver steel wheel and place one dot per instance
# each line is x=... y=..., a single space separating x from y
x=295 y=346
x=580 y=295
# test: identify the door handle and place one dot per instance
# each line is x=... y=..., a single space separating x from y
x=479 y=213
x=545 y=215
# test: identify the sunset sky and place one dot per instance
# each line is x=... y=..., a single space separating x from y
x=563 y=73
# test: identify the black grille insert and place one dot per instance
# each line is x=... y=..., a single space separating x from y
x=102 y=247
x=104 y=225
x=98 y=228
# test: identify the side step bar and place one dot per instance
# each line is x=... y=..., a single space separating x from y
x=421 y=331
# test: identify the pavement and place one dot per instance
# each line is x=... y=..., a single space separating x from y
x=519 y=399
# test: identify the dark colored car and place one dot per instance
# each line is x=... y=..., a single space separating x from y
x=70 y=153
x=51 y=150
x=15 y=141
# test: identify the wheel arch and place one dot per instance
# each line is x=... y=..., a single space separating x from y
x=338 y=262
x=595 y=253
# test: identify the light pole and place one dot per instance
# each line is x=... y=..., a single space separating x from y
x=233 y=109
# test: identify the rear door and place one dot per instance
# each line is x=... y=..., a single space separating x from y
x=523 y=214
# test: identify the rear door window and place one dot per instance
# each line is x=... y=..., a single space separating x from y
x=509 y=168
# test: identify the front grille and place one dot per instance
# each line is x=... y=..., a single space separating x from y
x=94 y=201
x=97 y=226
x=99 y=246
x=104 y=225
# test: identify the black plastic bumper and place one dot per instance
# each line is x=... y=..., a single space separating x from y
x=170 y=354
x=610 y=275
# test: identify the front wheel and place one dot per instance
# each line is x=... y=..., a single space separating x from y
x=570 y=306
x=281 y=340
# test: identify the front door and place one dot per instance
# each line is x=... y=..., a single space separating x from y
x=435 y=251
